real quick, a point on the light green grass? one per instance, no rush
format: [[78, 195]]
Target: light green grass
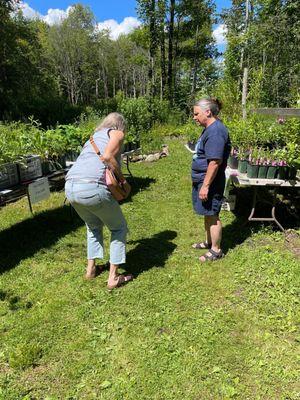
[[180, 330]]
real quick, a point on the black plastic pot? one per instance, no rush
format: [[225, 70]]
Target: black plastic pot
[[272, 172], [242, 166], [252, 170], [233, 162], [46, 167], [262, 171], [282, 172], [292, 173], [62, 161]]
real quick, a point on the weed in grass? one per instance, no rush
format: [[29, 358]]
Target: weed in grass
[[25, 355]]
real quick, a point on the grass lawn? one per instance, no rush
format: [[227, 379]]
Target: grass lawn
[[181, 330]]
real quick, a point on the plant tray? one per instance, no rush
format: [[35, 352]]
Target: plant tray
[[8, 175], [30, 168]]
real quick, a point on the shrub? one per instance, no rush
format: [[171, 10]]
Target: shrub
[[137, 115]]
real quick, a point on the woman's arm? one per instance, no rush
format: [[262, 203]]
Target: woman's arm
[[210, 175], [112, 149]]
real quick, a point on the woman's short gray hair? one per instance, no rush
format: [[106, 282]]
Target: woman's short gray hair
[[211, 104], [113, 120]]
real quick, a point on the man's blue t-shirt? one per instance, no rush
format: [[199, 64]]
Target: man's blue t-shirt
[[213, 144]]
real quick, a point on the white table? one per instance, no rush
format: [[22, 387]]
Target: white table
[[233, 176]]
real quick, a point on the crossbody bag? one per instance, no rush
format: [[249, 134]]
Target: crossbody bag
[[115, 186]]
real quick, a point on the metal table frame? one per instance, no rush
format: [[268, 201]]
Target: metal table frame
[[126, 157], [235, 177]]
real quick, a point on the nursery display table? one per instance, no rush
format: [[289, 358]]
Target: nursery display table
[[56, 182], [126, 157], [233, 176]]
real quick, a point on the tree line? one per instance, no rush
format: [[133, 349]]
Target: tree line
[[54, 72]]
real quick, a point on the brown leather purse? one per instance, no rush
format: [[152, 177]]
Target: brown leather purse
[[115, 186]]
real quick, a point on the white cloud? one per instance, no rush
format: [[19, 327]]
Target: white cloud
[[29, 12], [56, 16], [116, 29], [53, 16], [219, 34]]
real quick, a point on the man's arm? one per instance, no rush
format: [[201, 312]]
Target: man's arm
[[210, 175]]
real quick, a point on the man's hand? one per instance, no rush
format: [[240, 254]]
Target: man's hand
[[203, 192]]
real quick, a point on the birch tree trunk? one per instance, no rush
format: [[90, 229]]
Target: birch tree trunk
[[245, 70]]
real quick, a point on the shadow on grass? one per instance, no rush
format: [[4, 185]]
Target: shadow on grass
[[138, 184], [26, 238], [240, 229], [237, 232], [150, 252]]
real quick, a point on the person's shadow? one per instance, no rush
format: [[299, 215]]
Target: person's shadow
[[150, 252], [241, 229], [138, 184], [24, 239]]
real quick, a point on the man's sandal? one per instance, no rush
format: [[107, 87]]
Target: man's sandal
[[201, 246], [121, 280], [212, 255]]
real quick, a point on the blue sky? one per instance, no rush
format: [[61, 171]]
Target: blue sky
[[103, 9], [119, 16]]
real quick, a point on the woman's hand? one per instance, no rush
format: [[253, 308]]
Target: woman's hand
[[203, 192]]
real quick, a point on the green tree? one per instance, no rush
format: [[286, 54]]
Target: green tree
[[72, 48]]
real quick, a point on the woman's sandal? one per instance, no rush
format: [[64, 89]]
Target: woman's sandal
[[201, 246], [121, 280], [96, 271], [212, 255]]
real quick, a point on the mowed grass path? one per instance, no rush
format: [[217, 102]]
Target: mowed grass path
[[181, 330]]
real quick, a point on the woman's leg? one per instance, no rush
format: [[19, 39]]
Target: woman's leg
[[214, 226], [215, 230], [94, 227], [112, 217], [94, 245], [207, 230]]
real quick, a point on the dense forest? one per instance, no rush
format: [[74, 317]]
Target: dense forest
[[53, 73]]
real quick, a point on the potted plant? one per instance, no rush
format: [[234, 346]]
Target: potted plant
[[233, 159], [292, 159], [253, 164], [282, 168], [243, 160], [273, 166]]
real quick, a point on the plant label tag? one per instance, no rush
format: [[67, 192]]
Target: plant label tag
[[6, 191], [39, 190]]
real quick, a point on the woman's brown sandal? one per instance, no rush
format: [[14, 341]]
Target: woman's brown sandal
[[96, 271], [121, 280]]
